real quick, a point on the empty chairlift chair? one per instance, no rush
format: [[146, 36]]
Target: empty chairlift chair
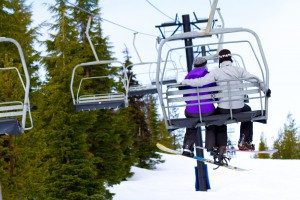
[[168, 73], [15, 115], [144, 87], [96, 101], [145, 74], [172, 97]]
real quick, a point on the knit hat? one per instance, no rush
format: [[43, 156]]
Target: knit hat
[[200, 62], [224, 55]]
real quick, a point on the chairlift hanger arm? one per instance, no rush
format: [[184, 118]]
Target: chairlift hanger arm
[[220, 46], [211, 16], [136, 51], [89, 38]]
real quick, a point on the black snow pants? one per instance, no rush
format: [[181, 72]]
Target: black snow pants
[[246, 128]]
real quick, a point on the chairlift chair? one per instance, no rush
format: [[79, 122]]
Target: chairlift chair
[[168, 74], [173, 97], [13, 111], [111, 100], [141, 89]]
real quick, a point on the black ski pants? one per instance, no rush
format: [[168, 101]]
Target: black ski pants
[[215, 136], [246, 128]]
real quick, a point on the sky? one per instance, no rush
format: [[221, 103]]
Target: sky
[[275, 21], [266, 179]]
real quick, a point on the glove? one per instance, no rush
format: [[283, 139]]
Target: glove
[[268, 93]]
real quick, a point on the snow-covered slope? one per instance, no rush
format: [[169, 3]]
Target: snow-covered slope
[[174, 180]]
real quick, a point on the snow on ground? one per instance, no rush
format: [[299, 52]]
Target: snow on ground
[[175, 180]]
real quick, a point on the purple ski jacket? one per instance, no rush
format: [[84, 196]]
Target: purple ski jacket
[[205, 108]]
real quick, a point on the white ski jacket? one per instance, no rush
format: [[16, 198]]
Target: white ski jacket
[[226, 72]]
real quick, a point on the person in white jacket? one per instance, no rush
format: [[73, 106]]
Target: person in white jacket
[[227, 71]]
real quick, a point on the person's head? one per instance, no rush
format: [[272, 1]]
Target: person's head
[[200, 62], [224, 55]]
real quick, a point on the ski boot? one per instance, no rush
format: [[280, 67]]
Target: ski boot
[[246, 146], [219, 156], [188, 153], [188, 150]]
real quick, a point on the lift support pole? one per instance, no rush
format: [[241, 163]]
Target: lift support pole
[[202, 181], [188, 42]]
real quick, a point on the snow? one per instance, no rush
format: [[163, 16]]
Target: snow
[[266, 179]]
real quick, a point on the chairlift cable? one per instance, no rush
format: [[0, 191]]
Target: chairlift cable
[[135, 31], [159, 10], [109, 21]]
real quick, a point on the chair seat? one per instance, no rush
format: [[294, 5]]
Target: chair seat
[[142, 92], [165, 82], [99, 105], [10, 126], [254, 116]]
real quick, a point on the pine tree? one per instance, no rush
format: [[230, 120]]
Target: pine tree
[[105, 132], [71, 167], [287, 142], [262, 147], [113, 142], [177, 135], [109, 139], [165, 137], [157, 128], [137, 120], [145, 127], [170, 139], [155, 135]]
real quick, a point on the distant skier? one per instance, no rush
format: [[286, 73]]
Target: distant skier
[[227, 71], [230, 148]]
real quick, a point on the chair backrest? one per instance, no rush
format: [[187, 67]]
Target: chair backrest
[[141, 72], [176, 97]]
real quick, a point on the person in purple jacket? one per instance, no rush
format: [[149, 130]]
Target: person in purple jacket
[[214, 134]]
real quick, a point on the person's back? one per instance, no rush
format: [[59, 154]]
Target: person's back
[[227, 71], [192, 107]]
